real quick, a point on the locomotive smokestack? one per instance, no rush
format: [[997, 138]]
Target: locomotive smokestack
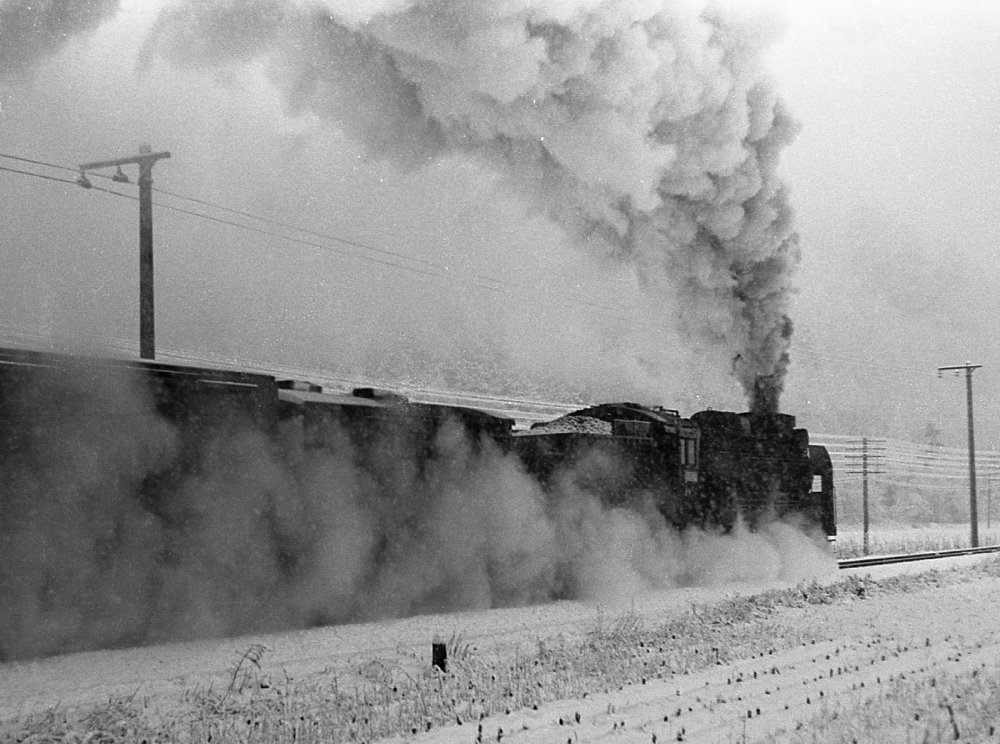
[[766, 391], [764, 387]]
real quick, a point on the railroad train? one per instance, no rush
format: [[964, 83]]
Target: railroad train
[[712, 470], [144, 502]]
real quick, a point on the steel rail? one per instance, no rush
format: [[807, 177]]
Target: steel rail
[[884, 560]]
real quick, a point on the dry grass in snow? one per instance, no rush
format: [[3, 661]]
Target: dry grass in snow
[[857, 659]]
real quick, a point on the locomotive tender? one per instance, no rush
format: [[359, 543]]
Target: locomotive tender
[[711, 470]]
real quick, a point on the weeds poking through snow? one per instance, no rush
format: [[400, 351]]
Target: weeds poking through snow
[[385, 699], [247, 670]]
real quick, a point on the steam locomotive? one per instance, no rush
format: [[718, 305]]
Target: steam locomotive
[[713, 470], [143, 502]]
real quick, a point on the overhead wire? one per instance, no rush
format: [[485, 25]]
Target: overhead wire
[[907, 464], [230, 210], [287, 225], [854, 362], [220, 220], [383, 258], [37, 175], [436, 270], [444, 272]]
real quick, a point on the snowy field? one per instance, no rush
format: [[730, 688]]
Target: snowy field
[[913, 657]]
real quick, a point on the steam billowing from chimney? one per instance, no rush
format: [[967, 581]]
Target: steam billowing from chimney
[[645, 129]]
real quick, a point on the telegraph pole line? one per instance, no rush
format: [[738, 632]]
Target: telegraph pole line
[[146, 159], [973, 516], [865, 452]]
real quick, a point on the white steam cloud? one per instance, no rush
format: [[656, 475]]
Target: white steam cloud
[[647, 130]]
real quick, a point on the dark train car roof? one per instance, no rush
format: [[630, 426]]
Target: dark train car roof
[[389, 402], [57, 360], [307, 397]]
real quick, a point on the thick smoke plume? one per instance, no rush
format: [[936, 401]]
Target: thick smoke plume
[[103, 544], [645, 129]]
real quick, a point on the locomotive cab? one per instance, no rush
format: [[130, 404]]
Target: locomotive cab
[[823, 495]]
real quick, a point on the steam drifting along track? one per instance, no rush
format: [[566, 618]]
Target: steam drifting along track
[[816, 659], [885, 560]]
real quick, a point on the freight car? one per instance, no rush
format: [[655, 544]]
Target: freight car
[[94, 426], [142, 501], [50, 403], [715, 469]]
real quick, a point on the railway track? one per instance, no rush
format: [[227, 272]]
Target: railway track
[[884, 560]]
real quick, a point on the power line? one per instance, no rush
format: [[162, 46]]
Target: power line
[[859, 363], [312, 244], [38, 162], [903, 449], [901, 484], [307, 231], [37, 175], [266, 220], [475, 281], [247, 215]]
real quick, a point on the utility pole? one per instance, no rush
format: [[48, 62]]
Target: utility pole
[[973, 516], [146, 159], [864, 453]]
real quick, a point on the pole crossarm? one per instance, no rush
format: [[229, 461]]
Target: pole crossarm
[[146, 159], [141, 159], [970, 368]]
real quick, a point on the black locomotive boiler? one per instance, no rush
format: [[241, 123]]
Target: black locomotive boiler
[[712, 470]]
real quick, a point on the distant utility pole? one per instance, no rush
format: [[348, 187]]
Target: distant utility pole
[[146, 159], [865, 452], [973, 516]]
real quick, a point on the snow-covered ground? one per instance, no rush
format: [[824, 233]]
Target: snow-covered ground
[[858, 646]]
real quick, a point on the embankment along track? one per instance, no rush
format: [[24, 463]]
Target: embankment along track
[[169, 669], [880, 638], [885, 560]]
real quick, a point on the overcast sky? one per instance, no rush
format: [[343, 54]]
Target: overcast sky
[[454, 279], [894, 183]]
